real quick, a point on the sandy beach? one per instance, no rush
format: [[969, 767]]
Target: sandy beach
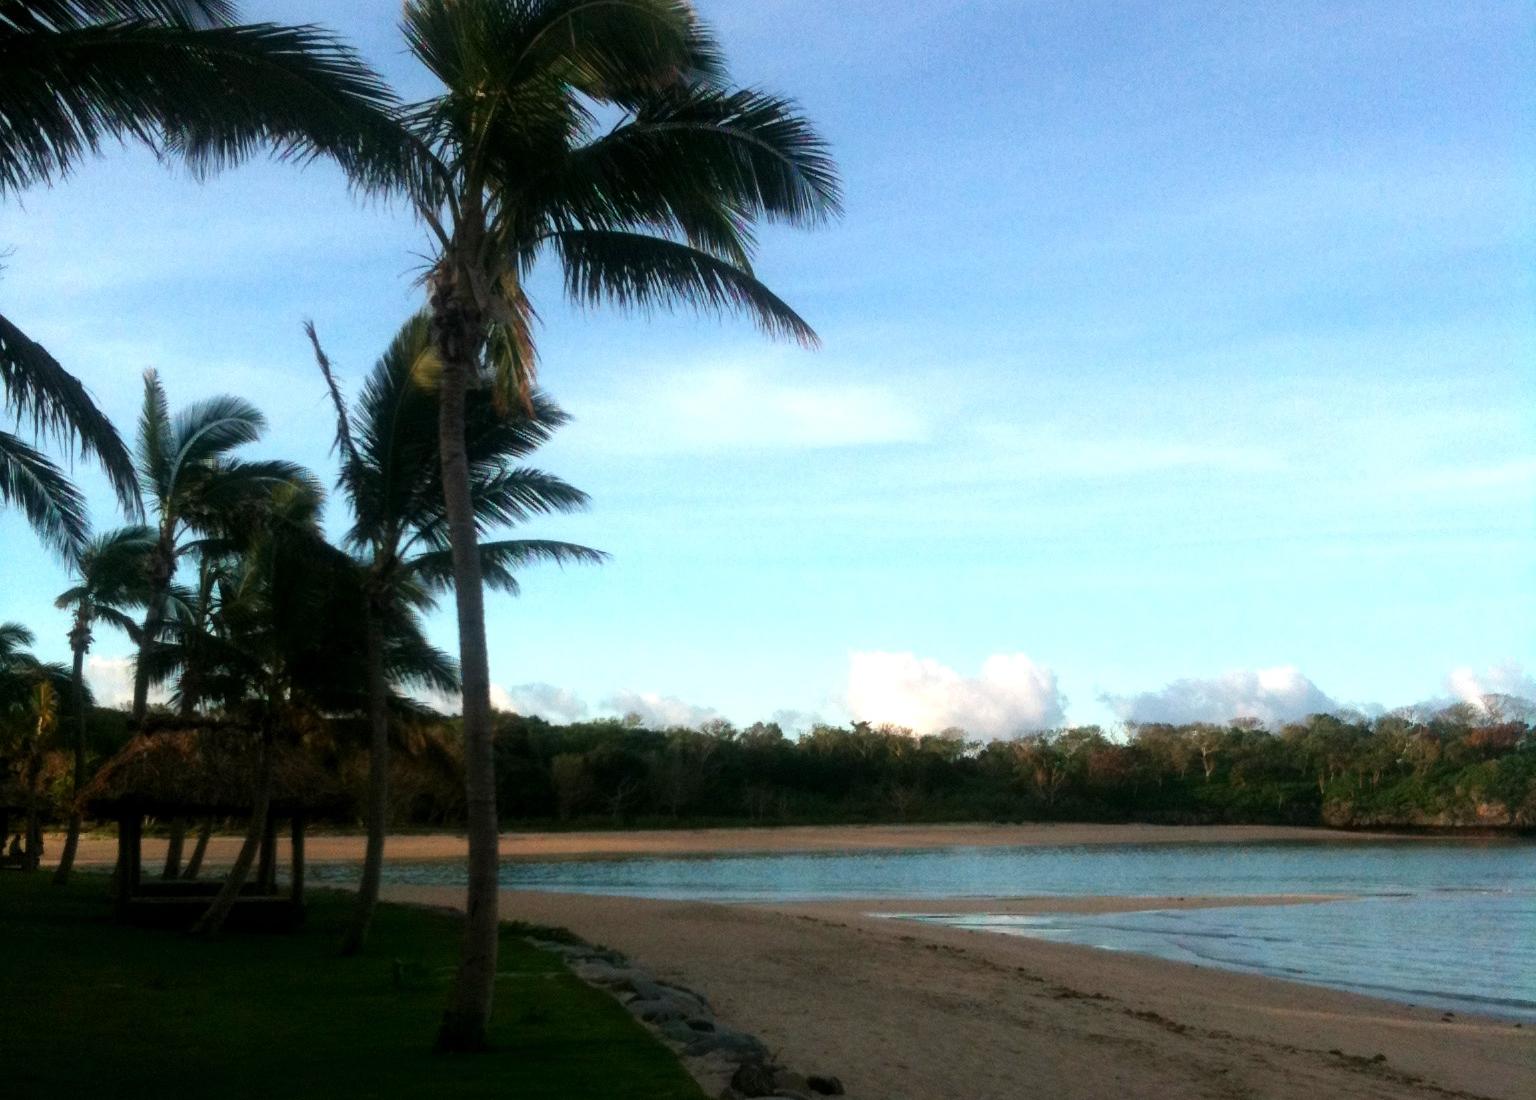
[[904, 1010], [346, 848], [907, 1011]]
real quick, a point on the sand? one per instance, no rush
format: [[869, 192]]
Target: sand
[[907, 1011], [904, 1010], [96, 850]]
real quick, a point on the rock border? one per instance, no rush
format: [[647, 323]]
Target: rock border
[[728, 1064]]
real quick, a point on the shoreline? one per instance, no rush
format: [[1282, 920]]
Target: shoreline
[[96, 849], [918, 1010], [912, 1010]]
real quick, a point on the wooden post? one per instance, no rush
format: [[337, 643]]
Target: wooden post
[[297, 841], [120, 876], [266, 869]]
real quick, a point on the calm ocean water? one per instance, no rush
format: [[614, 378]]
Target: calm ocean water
[[1448, 924]]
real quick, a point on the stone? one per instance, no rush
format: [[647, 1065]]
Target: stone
[[657, 1012], [733, 1044], [788, 1083], [753, 1079], [825, 1085], [604, 974]]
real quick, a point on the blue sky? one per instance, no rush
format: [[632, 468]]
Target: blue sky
[[1178, 363]]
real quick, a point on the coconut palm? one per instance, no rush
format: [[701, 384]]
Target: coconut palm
[[29, 695], [201, 498], [290, 618], [183, 78], [656, 210], [111, 576], [392, 479], [197, 492]]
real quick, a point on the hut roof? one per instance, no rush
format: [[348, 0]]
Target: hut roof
[[208, 769]]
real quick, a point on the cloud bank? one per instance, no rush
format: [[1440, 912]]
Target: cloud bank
[[1468, 685], [553, 704], [1012, 694], [660, 711], [1272, 695]]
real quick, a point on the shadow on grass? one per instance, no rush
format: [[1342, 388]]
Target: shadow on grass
[[95, 1009]]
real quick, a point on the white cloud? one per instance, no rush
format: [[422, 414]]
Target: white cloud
[[1470, 686], [1272, 695], [660, 711], [111, 681], [1012, 694], [553, 704], [745, 406]]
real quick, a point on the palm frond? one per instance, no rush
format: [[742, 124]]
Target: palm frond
[[500, 561], [703, 164], [53, 506], [205, 91], [208, 430], [639, 271], [64, 15], [37, 389], [155, 455]]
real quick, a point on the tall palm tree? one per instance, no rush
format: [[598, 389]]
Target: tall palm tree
[[197, 492], [111, 576], [202, 498], [392, 479], [182, 77], [656, 210]]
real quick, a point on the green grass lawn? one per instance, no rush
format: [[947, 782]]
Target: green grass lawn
[[91, 1009]]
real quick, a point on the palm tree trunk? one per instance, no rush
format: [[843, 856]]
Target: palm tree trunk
[[378, 787], [141, 671], [32, 854], [199, 850], [72, 838], [162, 567], [459, 334], [224, 902], [173, 849]]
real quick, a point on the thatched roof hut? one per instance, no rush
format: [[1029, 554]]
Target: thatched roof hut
[[208, 769]]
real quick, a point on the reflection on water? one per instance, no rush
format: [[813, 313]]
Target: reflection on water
[[1452, 924]]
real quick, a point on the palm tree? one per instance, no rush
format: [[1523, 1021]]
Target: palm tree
[[111, 575], [201, 498], [654, 211], [392, 480], [29, 694], [181, 77], [291, 650]]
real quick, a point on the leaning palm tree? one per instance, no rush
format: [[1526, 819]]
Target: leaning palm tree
[[654, 211], [182, 77], [111, 576], [392, 479]]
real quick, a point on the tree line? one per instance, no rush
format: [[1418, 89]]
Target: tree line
[[1461, 767]]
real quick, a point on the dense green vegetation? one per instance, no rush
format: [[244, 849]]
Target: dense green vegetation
[[97, 1009], [1458, 768]]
